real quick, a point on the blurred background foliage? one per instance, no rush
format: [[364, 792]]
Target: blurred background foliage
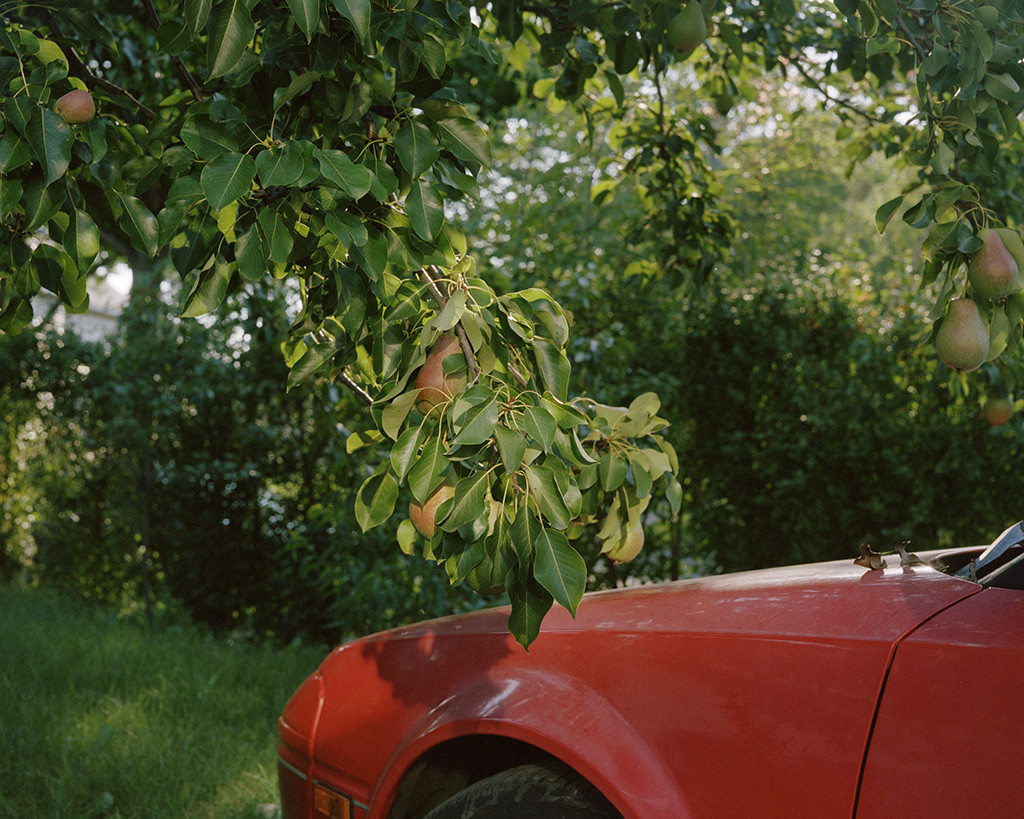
[[164, 470]]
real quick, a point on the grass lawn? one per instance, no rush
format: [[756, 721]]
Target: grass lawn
[[101, 717]]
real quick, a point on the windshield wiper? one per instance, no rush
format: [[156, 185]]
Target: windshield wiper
[[1013, 536]]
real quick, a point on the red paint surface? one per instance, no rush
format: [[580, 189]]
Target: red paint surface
[[747, 694]]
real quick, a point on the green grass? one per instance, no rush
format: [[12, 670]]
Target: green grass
[[103, 717]]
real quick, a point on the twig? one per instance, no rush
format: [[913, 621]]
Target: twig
[[348, 381], [429, 275], [186, 76], [835, 100]]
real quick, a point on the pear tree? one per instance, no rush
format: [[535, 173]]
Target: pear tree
[[320, 143]]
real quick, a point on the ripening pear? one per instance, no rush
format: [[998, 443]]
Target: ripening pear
[[998, 410], [435, 387], [687, 29], [962, 340], [424, 515], [993, 271], [624, 547], [76, 107]]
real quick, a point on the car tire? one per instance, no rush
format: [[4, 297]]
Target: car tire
[[528, 792]]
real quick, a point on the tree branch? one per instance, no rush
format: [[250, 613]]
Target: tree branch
[[179, 65], [348, 381]]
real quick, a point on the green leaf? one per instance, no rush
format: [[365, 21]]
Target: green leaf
[[314, 357], [11, 191], [208, 140], [227, 178], [280, 165], [209, 291], [466, 139], [231, 31], [553, 366], [451, 314], [468, 503], [529, 603], [540, 425], [559, 568], [50, 138], [41, 202], [425, 210], [197, 12], [612, 471], [336, 167], [522, 533], [512, 446], [306, 14], [416, 147], [251, 254], [429, 470], [140, 225], [375, 500], [404, 451], [548, 494], [674, 493], [357, 12], [396, 412], [406, 536], [279, 239], [885, 213], [477, 424], [82, 239]]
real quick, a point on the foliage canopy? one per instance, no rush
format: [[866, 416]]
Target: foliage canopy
[[319, 143]]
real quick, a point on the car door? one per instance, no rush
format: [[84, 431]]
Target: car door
[[949, 735]]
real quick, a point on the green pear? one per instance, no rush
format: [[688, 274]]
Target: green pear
[[623, 547], [962, 340], [687, 29], [993, 271]]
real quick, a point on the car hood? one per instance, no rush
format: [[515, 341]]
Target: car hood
[[663, 670], [831, 599]]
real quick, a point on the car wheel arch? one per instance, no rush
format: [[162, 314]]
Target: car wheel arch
[[474, 734]]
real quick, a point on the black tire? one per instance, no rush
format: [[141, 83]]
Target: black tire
[[528, 792]]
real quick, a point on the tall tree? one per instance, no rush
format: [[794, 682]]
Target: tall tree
[[317, 142]]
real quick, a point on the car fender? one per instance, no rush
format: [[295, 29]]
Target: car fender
[[558, 715]]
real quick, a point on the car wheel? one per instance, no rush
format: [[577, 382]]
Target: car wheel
[[533, 791]]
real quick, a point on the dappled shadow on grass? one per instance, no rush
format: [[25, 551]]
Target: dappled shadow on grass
[[102, 717]]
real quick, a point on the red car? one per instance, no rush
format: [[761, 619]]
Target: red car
[[833, 689]]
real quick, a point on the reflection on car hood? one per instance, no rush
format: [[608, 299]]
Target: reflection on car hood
[[833, 599]]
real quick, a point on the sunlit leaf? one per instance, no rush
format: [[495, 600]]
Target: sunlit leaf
[[375, 500], [559, 568]]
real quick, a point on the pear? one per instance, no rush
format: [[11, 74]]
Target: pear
[[962, 340], [998, 410], [624, 547], [993, 271], [687, 29], [424, 515], [436, 388], [76, 107]]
